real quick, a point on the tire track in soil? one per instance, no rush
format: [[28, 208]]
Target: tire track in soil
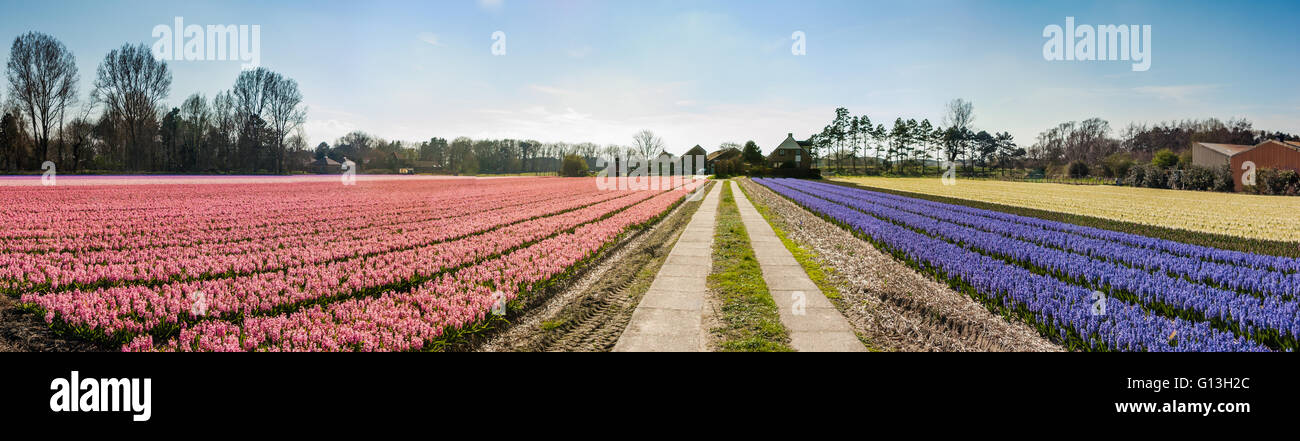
[[592, 313]]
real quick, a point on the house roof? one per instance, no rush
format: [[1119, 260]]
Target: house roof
[[1293, 145], [1226, 149], [326, 161], [720, 152], [789, 144]]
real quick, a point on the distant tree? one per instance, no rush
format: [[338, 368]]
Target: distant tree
[[130, 83], [322, 150], [460, 156], [169, 132], [1007, 151], [1078, 169], [924, 133], [986, 147], [647, 145], [284, 112], [752, 154], [43, 80], [434, 150], [574, 166], [11, 146], [1117, 165], [839, 132], [898, 135], [195, 123], [960, 114], [1165, 159]]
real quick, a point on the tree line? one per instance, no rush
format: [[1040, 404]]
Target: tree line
[[909, 147], [123, 125], [1088, 148]]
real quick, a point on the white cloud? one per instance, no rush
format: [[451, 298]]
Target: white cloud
[[429, 37], [491, 5]]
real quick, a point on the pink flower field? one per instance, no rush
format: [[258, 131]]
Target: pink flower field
[[300, 264]]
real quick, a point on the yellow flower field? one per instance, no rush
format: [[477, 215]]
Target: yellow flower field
[[1241, 215]]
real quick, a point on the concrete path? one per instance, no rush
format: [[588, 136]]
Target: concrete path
[[813, 322], [670, 315]]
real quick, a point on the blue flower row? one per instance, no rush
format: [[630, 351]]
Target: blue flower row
[[1245, 279], [1063, 311]]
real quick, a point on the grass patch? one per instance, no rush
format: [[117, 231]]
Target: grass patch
[[750, 322]]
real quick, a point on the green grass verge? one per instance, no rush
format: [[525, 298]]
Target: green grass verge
[[1221, 241], [807, 258], [750, 322]]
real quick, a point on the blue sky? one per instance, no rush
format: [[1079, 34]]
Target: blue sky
[[706, 72]]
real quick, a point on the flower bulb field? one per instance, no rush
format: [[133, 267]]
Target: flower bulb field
[[299, 264], [1086, 288]]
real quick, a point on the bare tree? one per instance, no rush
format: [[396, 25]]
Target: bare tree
[[196, 118], [225, 126], [646, 144], [43, 79], [285, 112], [960, 114], [131, 82]]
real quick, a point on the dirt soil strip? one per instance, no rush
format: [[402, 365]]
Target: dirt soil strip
[[888, 304], [22, 331], [590, 314]]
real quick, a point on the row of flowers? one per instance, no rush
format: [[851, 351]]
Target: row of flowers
[[1060, 310], [179, 220], [85, 270], [176, 215], [1227, 214], [1270, 320], [433, 312], [121, 312], [1244, 277]]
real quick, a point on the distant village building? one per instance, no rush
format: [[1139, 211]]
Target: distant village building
[[1206, 154], [790, 154], [1268, 154], [696, 153], [324, 166], [711, 161]]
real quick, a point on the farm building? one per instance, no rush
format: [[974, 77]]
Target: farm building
[[1206, 154], [790, 152], [1268, 154], [693, 153], [324, 166], [712, 159]]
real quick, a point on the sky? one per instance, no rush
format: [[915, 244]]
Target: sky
[[708, 72]]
